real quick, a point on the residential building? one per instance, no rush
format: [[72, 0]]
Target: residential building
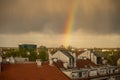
[[63, 65], [63, 56], [91, 55], [31, 71], [94, 73]]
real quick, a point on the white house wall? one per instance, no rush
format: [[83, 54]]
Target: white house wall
[[102, 71], [85, 54], [60, 56], [93, 58], [93, 73], [89, 55]]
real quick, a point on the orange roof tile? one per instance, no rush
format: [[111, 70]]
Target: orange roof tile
[[31, 72], [83, 63], [58, 64]]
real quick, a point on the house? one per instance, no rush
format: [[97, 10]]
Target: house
[[91, 55], [93, 73], [80, 74], [63, 56]]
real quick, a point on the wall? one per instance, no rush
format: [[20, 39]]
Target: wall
[[93, 58], [102, 71], [93, 73], [85, 54], [68, 73], [60, 56], [84, 74]]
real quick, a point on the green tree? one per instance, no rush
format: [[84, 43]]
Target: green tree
[[43, 56], [32, 56], [111, 56], [43, 53]]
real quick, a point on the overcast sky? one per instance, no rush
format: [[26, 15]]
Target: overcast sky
[[97, 22]]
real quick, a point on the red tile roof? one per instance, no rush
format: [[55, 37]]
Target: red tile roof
[[83, 63], [59, 64], [31, 72]]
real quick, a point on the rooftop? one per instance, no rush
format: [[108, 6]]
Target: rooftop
[[31, 72], [79, 53], [85, 63]]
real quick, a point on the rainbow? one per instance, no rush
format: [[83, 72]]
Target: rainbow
[[70, 23]]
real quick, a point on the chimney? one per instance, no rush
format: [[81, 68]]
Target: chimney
[[74, 55], [50, 62], [50, 56], [39, 63]]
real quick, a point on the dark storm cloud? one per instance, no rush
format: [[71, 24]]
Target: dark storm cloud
[[32, 16], [100, 17], [93, 16]]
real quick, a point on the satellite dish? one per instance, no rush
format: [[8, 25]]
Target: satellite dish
[[0, 59]]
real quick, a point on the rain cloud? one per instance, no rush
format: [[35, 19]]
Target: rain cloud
[[44, 16]]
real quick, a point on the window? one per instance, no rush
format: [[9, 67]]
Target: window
[[74, 74]]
